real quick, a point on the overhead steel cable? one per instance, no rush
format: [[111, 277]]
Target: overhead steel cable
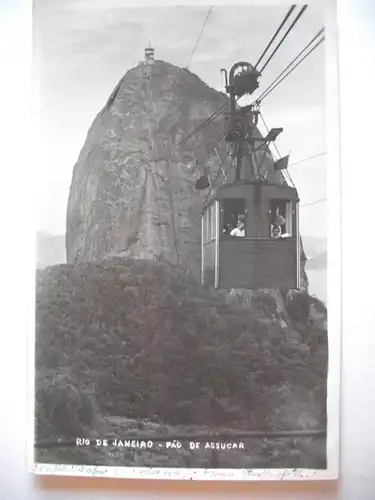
[[284, 37], [285, 174], [313, 203], [268, 131], [215, 145], [264, 95], [288, 14], [217, 177], [203, 124], [307, 159], [199, 36], [208, 153], [291, 63]]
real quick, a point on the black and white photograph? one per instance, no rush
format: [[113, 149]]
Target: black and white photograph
[[181, 322]]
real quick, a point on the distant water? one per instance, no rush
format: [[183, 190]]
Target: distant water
[[318, 283]]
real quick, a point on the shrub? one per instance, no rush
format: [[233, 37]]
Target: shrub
[[154, 342], [297, 306], [63, 408]]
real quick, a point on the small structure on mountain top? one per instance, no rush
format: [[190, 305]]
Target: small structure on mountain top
[[149, 55]]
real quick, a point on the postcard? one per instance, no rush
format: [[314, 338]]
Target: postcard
[[187, 241]]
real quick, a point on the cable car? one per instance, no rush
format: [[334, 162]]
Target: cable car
[[250, 228], [267, 253]]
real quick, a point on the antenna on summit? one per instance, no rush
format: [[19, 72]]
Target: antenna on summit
[[149, 54]]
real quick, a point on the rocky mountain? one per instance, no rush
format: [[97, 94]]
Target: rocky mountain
[[133, 188], [50, 250]]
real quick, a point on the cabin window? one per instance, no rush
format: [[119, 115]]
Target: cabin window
[[281, 219], [209, 224], [233, 211]]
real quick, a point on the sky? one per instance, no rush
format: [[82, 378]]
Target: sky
[[83, 47]]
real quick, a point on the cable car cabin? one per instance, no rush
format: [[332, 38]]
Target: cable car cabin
[[250, 237]]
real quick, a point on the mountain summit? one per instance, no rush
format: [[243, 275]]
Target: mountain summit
[[133, 188]]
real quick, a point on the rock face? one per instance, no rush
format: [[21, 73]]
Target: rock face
[[133, 188]]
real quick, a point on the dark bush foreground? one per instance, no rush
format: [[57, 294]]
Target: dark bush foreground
[[139, 339], [63, 404]]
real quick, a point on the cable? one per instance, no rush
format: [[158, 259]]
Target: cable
[[307, 159], [290, 64], [313, 203], [219, 139], [285, 174], [220, 110], [200, 34], [283, 38], [203, 124], [275, 35], [216, 178], [296, 66], [290, 178], [268, 131]]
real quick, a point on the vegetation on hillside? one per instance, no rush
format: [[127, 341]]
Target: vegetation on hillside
[[140, 340]]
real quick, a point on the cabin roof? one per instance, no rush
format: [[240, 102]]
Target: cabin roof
[[256, 183], [220, 194]]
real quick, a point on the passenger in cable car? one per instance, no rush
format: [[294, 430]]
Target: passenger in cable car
[[279, 220], [239, 230], [227, 229], [276, 231], [278, 226]]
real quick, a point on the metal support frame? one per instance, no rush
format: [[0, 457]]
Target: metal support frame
[[221, 164], [241, 122]]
